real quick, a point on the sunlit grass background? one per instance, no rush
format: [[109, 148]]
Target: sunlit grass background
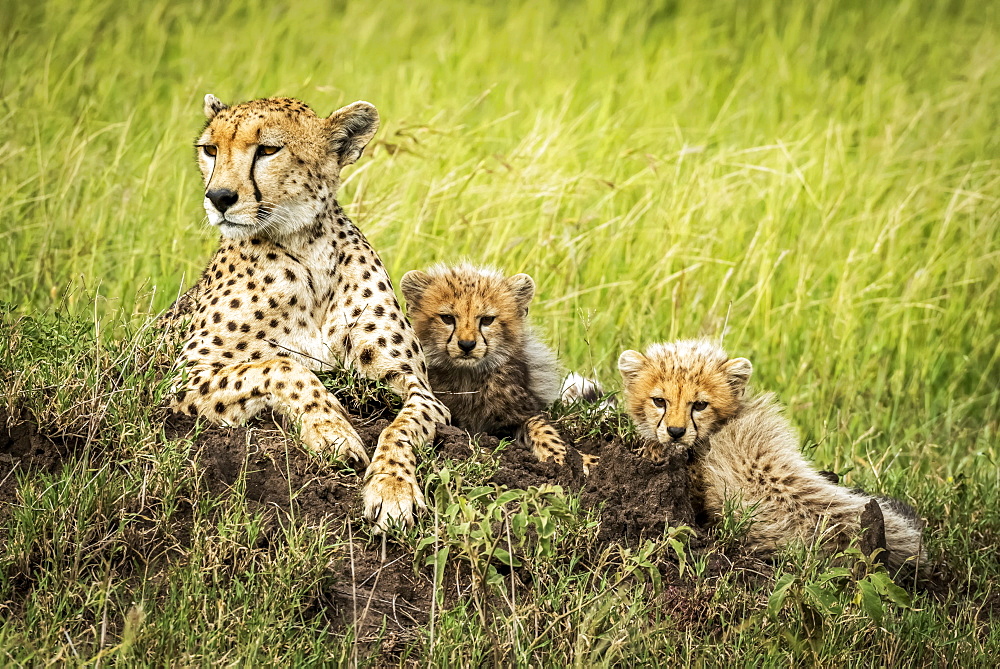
[[816, 182]]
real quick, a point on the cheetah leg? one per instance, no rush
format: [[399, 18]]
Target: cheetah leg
[[391, 493], [233, 394], [543, 439], [374, 337]]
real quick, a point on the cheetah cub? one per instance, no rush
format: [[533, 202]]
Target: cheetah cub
[[689, 396], [483, 359], [295, 288]]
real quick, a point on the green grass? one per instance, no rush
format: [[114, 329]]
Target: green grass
[[818, 182]]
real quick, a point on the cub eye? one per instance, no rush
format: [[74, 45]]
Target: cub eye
[[699, 406], [267, 150], [447, 319], [210, 150], [487, 320], [659, 402]]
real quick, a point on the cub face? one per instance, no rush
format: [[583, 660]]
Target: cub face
[[467, 317], [678, 394], [270, 165]]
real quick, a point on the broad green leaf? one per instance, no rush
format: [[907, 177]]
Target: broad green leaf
[[506, 558], [509, 496], [777, 599], [871, 602], [887, 588], [823, 599]]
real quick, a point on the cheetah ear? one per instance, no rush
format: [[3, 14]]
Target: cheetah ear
[[738, 372], [413, 284], [351, 128], [630, 363], [213, 106], [523, 287]]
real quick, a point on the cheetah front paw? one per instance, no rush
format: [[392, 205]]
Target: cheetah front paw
[[391, 499], [336, 438]]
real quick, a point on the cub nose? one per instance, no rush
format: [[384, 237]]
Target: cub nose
[[222, 198], [676, 432], [467, 344]]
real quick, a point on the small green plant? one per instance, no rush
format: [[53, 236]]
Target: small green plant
[[486, 526], [678, 538], [359, 394], [492, 530]]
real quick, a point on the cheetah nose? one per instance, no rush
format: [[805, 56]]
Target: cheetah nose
[[676, 432], [222, 198], [467, 344]]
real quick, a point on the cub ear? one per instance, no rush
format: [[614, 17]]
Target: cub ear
[[351, 128], [413, 284], [630, 363], [738, 372], [213, 106], [523, 287]]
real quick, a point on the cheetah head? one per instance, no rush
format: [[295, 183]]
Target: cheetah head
[[270, 166], [679, 394], [466, 316]]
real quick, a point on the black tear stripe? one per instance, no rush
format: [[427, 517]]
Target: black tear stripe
[[694, 423], [209, 182], [253, 180]]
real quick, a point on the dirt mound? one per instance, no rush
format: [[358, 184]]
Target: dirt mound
[[375, 582], [637, 497]]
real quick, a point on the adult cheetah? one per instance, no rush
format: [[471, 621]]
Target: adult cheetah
[[296, 288]]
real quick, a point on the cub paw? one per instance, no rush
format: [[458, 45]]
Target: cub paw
[[391, 499], [550, 452], [589, 462], [443, 413], [334, 437]]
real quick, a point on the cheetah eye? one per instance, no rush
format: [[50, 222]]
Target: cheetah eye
[[210, 150], [267, 150], [487, 320], [447, 319], [699, 406], [659, 402]]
